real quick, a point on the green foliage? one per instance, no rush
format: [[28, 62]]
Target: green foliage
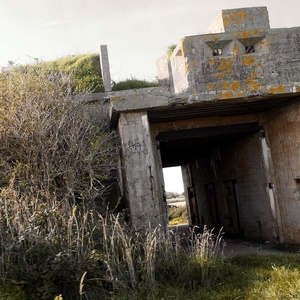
[[85, 69], [130, 84], [170, 50], [178, 215], [51, 143], [12, 291]]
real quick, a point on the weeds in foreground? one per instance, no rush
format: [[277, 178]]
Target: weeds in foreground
[[78, 253], [101, 257]]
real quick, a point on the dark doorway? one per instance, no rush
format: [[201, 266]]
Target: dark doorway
[[193, 206], [233, 225], [212, 204]]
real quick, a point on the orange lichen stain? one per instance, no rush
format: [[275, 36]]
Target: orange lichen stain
[[115, 98], [277, 89], [245, 34], [260, 64], [298, 89], [235, 17], [211, 37], [227, 95], [195, 91], [187, 67], [183, 47], [226, 85], [253, 84], [211, 61], [226, 64], [235, 86], [249, 60], [211, 86]]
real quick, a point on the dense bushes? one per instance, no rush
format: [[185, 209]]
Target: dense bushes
[[84, 69], [56, 157], [132, 84]]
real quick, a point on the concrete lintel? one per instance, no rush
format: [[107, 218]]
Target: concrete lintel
[[158, 98]]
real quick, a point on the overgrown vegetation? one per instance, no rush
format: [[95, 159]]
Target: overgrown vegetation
[[59, 239], [178, 215], [170, 50], [56, 158], [84, 70], [133, 84]]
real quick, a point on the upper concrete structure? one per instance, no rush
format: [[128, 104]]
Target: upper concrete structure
[[231, 20], [244, 59], [229, 115]]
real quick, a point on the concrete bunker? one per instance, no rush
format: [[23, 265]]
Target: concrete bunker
[[229, 120]]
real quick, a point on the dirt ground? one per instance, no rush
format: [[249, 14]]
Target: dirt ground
[[238, 246]]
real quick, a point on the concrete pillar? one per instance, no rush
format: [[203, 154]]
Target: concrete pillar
[[104, 62], [141, 184]]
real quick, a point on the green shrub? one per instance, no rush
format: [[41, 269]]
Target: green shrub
[[12, 291], [131, 84], [178, 215]]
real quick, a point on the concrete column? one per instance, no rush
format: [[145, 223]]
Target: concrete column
[[141, 183], [104, 63]]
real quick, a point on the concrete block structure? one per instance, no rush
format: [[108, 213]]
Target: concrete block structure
[[229, 115]]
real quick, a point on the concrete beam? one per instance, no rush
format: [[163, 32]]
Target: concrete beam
[[142, 185], [104, 61]]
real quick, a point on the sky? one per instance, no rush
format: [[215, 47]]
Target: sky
[[136, 32]]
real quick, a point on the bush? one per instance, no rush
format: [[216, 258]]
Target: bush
[[178, 215], [130, 84], [56, 157]]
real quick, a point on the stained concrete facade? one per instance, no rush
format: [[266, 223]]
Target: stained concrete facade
[[229, 115]]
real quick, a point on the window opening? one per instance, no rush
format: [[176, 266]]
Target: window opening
[[176, 202], [217, 52], [249, 49]]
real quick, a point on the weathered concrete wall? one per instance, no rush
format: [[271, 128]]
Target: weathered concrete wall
[[141, 185], [240, 163], [249, 183], [231, 20], [244, 59], [284, 139], [272, 69]]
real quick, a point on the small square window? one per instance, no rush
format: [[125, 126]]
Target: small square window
[[249, 49], [217, 52]]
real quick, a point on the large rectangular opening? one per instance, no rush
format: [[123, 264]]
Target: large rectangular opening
[[225, 180]]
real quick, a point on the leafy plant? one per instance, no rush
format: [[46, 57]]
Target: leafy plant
[[132, 83]]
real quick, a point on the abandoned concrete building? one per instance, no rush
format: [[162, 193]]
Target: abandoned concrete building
[[228, 112]]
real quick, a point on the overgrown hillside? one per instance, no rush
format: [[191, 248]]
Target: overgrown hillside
[[84, 68]]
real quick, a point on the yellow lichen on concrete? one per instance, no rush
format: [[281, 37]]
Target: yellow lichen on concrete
[[187, 68], [255, 85], [225, 67], [236, 85], [226, 85], [236, 17], [249, 60], [277, 89], [211, 37], [211, 86], [211, 61], [115, 98]]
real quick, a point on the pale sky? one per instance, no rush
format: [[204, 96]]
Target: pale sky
[[173, 179], [137, 32]]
